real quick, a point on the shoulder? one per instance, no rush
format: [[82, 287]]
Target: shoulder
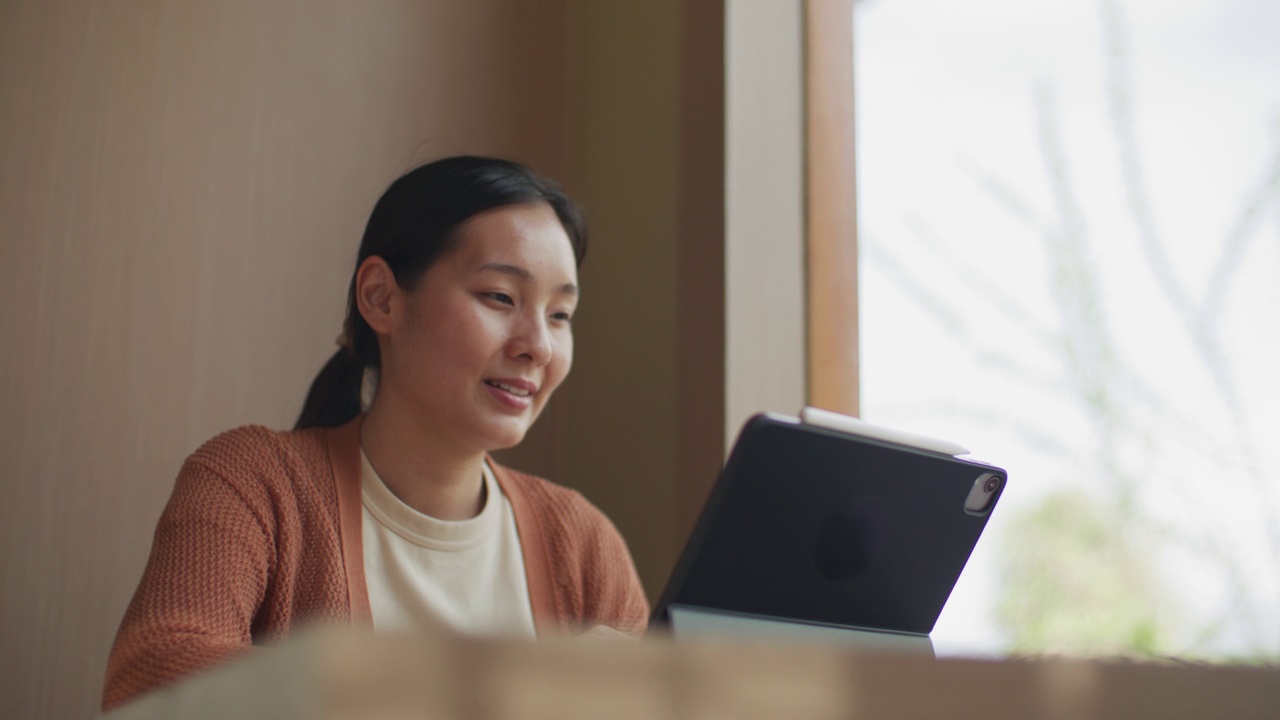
[[277, 477], [254, 447], [263, 465]]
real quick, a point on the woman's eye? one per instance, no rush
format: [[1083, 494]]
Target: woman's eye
[[503, 298], [561, 316]]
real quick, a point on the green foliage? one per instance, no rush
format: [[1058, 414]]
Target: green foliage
[[1075, 581]]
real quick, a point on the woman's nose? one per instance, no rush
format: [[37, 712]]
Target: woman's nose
[[532, 339]]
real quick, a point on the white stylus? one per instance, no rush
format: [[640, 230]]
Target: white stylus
[[854, 426]]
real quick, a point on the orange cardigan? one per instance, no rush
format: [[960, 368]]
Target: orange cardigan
[[262, 533]]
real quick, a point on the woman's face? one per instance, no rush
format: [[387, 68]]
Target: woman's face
[[485, 337]]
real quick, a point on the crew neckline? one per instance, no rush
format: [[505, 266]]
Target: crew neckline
[[422, 529]]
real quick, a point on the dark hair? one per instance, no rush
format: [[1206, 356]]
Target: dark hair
[[413, 225]]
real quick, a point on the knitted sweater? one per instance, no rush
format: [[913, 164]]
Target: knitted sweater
[[262, 533]]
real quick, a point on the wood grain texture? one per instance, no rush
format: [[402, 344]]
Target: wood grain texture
[[700, 268], [831, 212], [183, 192], [622, 409]]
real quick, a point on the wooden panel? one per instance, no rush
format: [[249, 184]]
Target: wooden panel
[[764, 210], [832, 264], [700, 264], [621, 420], [437, 675], [183, 190]]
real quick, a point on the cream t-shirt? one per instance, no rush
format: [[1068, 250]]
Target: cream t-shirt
[[467, 573]]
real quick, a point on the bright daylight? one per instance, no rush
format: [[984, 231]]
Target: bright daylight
[[1070, 241]]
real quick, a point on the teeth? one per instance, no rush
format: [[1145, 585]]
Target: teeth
[[512, 390]]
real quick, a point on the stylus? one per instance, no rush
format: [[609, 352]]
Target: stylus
[[854, 426]]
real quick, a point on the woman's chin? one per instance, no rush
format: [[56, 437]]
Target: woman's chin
[[504, 445], [508, 431], [506, 437]]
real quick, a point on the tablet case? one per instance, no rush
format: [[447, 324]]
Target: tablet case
[[817, 525]]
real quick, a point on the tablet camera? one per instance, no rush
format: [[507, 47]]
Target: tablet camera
[[982, 494]]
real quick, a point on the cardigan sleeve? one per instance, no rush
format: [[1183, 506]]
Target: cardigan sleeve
[[613, 593], [606, 589], [588, 567], [206, 576]]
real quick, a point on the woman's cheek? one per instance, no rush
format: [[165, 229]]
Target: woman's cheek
[[564, 358]]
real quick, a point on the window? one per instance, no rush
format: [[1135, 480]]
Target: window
[[1069, 229]]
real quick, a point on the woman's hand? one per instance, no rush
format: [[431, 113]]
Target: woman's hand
[[604, 632]]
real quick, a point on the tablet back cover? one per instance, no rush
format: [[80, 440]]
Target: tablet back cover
[[814, 525]]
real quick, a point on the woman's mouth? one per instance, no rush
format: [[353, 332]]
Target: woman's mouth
[[522, 392], [513, 394]]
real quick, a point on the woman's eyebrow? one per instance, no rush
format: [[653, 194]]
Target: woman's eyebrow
[[525, 275]]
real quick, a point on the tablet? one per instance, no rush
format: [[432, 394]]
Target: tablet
[[826, 521]]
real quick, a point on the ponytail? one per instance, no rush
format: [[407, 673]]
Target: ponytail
[[334, 397]]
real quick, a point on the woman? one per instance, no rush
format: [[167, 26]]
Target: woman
[[460, 305]]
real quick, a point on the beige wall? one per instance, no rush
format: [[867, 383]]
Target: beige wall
[[686, 145], [620, 428], [183, 189], [181, 198]]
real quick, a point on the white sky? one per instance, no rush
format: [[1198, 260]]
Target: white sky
[[946, 97]]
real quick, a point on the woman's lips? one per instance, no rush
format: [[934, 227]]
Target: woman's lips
[[513, 393]]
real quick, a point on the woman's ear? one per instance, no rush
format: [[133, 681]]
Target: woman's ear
[[378, 297]]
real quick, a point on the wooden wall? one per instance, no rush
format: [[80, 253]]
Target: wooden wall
[[183, 190]]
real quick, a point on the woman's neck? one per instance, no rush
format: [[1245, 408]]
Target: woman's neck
[[420, 467]]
